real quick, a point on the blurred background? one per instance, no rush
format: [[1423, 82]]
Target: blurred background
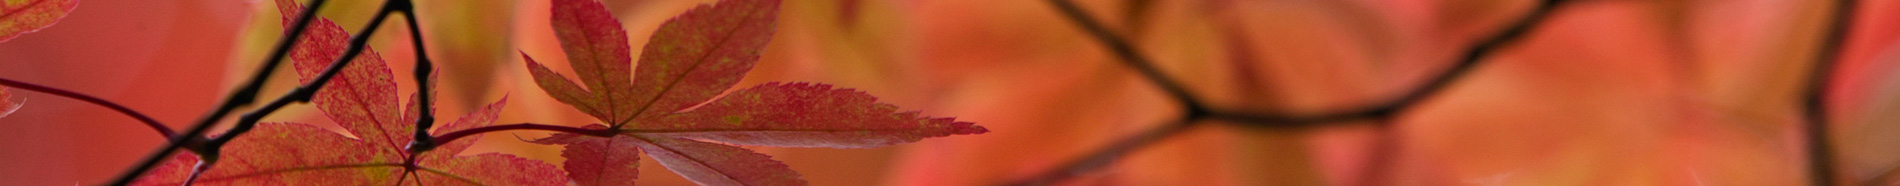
[[1605, 92]]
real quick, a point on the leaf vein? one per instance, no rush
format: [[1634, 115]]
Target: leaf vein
[[701, 163], [690, 68]]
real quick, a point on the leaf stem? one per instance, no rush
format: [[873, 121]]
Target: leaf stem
[[244, 96], [149, 122], [451, 136], [1820, 152]]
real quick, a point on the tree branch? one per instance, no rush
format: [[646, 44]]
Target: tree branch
[[1130, 56], [209, 149], [1820, 153], [1466, 63], [149, 122], [303, 94], [424, 69], [244, 96], [1195, 111]]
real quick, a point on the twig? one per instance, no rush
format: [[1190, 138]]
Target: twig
[[1820, 153], [1130, 57], [424, 69], [149, 122], [303, 94], [1469, 61], [1107, 155], [1195, 111], [208, 151], [244, 96]]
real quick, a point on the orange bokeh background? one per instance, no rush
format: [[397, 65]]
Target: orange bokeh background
[[1606, 92]]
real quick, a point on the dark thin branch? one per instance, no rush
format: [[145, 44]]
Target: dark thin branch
[[1466, 63], [424, 69], [244, 96], [1195, 111], [149, 122], [248, 121], [451, 136], [1135, 16], [1107, 155], [303, 94], [1477, 53], [1130, 56], [208, 151], [1820, 153]]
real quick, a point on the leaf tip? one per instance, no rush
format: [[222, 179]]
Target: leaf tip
[[967, 128]]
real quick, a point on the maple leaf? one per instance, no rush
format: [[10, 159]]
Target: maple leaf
[[7, 106], [20, 17], [362, 100], [690, 60]]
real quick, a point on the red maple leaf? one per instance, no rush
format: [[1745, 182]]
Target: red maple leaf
[[22, 17], [361, 98], [689, 61]]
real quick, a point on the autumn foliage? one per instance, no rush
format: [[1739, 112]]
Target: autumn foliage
[[862, 92], [663, 110]]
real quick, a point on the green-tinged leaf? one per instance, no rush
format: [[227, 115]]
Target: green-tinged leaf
[[24, 16]]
